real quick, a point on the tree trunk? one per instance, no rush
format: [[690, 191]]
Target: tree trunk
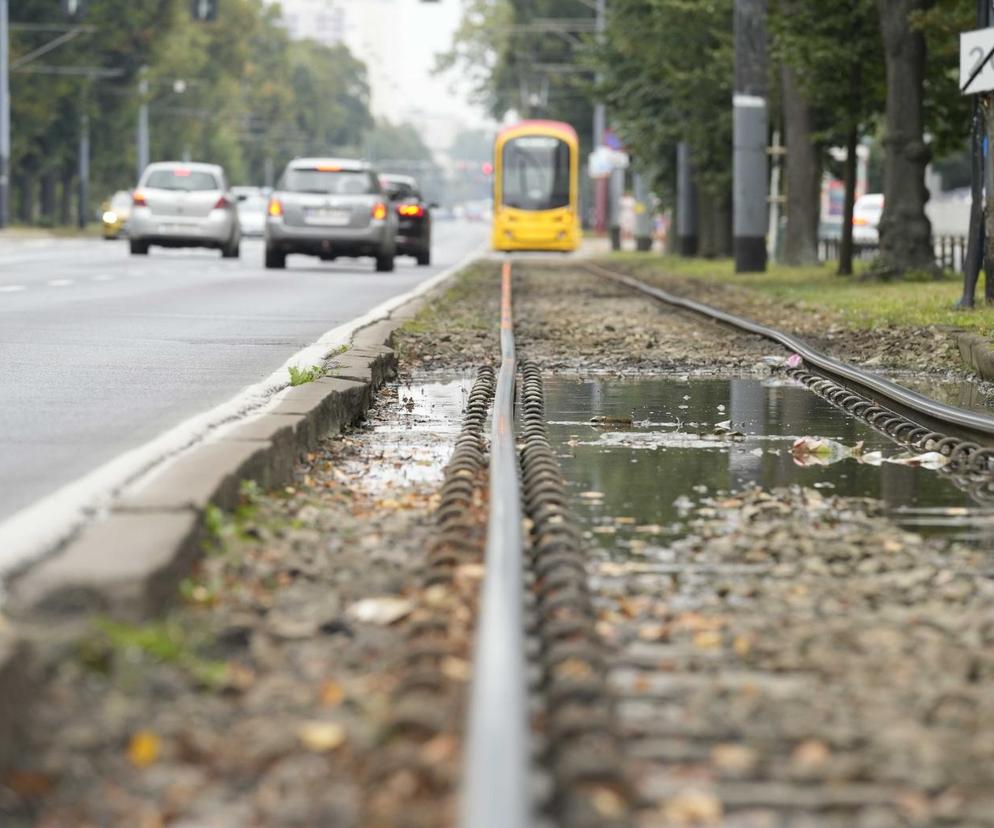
[[803, 175], [721, 217], [29, 185], [65, 199], [48, 182], [846, 249], [705, 206], [905, 231]]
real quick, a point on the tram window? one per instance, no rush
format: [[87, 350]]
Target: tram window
[[536, 173]]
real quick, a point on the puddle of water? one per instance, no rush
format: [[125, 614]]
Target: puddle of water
[[415, 431], [640, 481], [961, 393]]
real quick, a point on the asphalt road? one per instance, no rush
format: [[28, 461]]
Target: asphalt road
[[101, 351]]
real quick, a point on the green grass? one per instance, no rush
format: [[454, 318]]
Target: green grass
[[860, 302], [302, 376]]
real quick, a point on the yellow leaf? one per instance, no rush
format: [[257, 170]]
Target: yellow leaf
[[143, 749], [332, 693]]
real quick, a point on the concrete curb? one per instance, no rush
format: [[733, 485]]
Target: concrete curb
[[129, 564], [978, 354]]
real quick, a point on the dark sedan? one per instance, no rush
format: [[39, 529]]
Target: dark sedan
[[413, 215]]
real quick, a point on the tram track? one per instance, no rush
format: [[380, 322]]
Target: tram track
[[600, 712]]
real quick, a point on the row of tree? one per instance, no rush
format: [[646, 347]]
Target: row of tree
[[838, 71], [235, 91]]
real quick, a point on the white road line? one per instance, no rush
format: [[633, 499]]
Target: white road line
[[60, 282], [41, 527], [102, 277], [11, 288]]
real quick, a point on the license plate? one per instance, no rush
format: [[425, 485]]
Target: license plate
[[335, 218]]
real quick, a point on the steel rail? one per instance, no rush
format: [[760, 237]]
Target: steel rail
[[885, 388], [496, 775]]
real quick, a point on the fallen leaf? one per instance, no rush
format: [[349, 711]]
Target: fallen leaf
[[143, 749], [28, 784], [332, 693], [693, 807], [321, 737]]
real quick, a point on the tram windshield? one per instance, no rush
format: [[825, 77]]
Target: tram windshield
[[536, 173]]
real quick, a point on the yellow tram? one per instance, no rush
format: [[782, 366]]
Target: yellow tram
[[537, 187]]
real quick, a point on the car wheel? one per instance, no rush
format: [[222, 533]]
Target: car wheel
[[275, 259], [424, 257], [231, 250], [139, 248], [384, 263]]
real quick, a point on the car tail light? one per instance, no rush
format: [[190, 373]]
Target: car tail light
[[138, 199], [275, 208], [222, 203], [411, 210], [379, 211]]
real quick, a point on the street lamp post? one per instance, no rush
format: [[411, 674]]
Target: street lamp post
[[142, 121]]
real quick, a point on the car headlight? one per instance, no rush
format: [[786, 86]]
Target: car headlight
[[110, 217]]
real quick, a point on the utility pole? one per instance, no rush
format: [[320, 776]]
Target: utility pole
[[83, 213], [142, 122], [643, 215], [750, 161], [599, 111], [4, 113]]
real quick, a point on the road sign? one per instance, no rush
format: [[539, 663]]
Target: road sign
[[976, 61]]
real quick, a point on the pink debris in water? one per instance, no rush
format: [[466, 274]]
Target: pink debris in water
[[794, 360]]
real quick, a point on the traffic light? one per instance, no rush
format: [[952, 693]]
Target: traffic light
[[204, 10], [73, 8]]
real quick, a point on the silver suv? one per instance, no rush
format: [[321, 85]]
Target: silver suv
[[330, 207], [184, 205]]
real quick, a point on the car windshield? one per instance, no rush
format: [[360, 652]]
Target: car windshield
[[181, 179], [536, 173], [330, 182]]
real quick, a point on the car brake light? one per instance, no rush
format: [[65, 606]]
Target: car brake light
[[181, 172], [138, 199], [411, 210], [275, 207], [222, 203], [379, 211]]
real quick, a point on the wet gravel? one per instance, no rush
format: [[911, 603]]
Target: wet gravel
[[268, 698]]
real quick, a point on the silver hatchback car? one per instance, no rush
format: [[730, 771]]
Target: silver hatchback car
[[184, 205], [330, 207]]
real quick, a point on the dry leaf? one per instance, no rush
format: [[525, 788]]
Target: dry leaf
[[693, 807], [332, 693], [143, 749]]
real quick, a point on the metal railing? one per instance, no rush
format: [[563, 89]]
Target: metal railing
[[496, 776], [950, 251]]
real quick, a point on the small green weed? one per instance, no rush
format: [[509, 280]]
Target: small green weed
[[302, 376]]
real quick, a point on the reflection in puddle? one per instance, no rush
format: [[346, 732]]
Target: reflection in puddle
[[415, 430], [694, 438]]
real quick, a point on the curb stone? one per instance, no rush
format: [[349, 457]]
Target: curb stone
[[129, 564], [978, 354]]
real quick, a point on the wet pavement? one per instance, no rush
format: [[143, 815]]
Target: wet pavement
[[662, 444]]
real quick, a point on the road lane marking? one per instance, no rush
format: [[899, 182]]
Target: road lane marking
[[11, 288], [38, 529], [103, 277], [60, 282]]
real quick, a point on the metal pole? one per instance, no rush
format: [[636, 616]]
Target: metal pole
[[750, 162], [643, 215], [600, 114], [84, 171], [142, 122], [616, 191], [686, 203], [4, 113]]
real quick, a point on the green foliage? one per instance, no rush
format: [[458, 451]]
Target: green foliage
[[666, 68], [302, 376], [508, 66], [235, 92]]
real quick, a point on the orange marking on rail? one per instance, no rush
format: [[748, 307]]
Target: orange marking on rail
[[505, 296]]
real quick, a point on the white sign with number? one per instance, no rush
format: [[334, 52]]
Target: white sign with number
[[976, 61]]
